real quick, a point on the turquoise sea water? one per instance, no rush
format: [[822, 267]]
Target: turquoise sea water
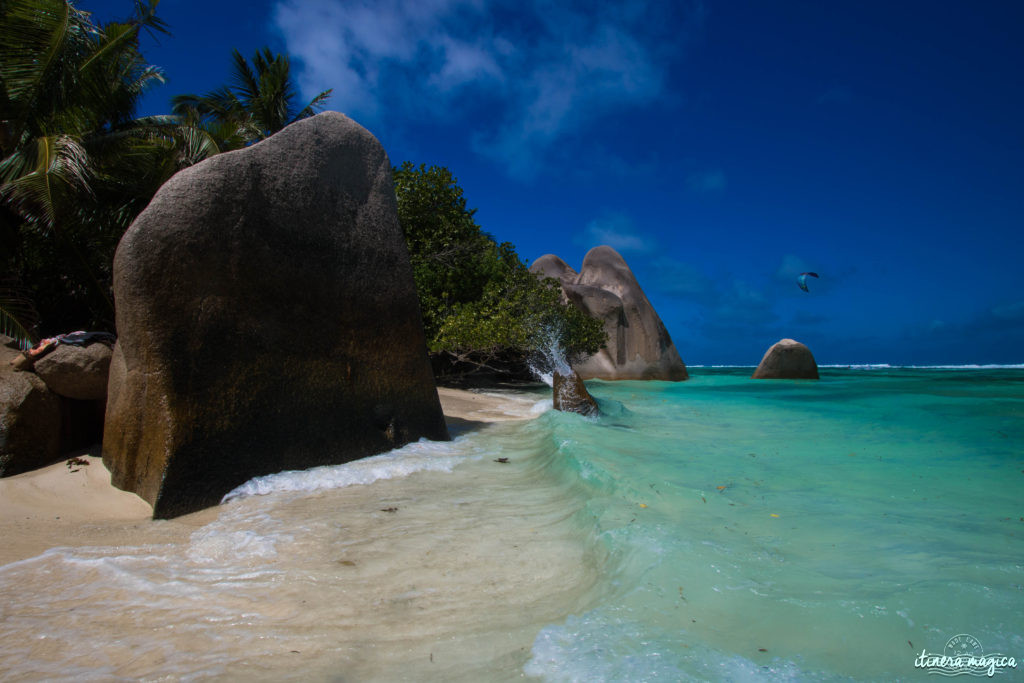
[[716, 529], [796, 530]]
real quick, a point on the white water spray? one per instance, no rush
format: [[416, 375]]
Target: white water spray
[[549, 356]]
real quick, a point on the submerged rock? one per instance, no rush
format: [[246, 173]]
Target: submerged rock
[[569, 394], [638, 346], [267, 321], [787, 359]]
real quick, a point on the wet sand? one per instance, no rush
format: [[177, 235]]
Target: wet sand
[[75, 505], [444, 574]]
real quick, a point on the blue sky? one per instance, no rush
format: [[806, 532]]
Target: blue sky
[[721, 146]]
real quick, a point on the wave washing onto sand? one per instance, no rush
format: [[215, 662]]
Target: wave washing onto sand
[[601, 645], [419, 456], [433, 562]]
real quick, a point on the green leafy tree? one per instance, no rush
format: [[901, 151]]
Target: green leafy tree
[[481, 306], [451, 257], [76, 165], [259, 101], [518, 315]]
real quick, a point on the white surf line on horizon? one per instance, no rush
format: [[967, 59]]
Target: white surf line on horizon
[[888, 366]]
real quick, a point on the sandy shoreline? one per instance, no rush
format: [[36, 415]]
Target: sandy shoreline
[[75, 505]]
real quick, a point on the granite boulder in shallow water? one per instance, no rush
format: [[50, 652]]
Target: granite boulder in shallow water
[[570, 395], [267, 320], [787, 359]]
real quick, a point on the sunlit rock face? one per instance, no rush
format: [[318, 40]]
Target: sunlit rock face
[[639, 346], [787, 359]]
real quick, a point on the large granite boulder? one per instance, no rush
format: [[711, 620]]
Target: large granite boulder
[[569, 394], [550, 265], [267, 320], [30, 419], [78, 372], [787, 359], [639, 346]]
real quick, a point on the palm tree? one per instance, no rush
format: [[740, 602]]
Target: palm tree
[[68, 92], [18, 317], [76, 166], [259, 101]]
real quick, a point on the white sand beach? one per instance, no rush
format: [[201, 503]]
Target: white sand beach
[[75, 505], [439, 561]]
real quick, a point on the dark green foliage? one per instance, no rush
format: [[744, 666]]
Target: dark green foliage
[[76, 166], [478, 299], [452, 260]]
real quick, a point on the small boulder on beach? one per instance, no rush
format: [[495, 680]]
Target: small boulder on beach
[[78, 372], [787, 359], [30, 419]]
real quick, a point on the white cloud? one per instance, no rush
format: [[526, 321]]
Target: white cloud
[[617, 231], [706, 181], [790, 267], [684, 280], [744, 303], [1014, 311], [542, 70], [466, 63]]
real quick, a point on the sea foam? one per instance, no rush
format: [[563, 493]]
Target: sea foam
[[420, 456]]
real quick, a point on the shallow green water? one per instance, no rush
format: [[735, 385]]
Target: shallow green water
[[783, 529]]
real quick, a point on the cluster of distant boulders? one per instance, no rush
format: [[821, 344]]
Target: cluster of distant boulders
[[639, 346], [268, 320]]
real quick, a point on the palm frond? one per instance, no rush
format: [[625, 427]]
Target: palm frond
[[145, 17], [115, 37], [196, 145], [18, 316], [315, 105], [245, 81], [33, 36], [60, 168]]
